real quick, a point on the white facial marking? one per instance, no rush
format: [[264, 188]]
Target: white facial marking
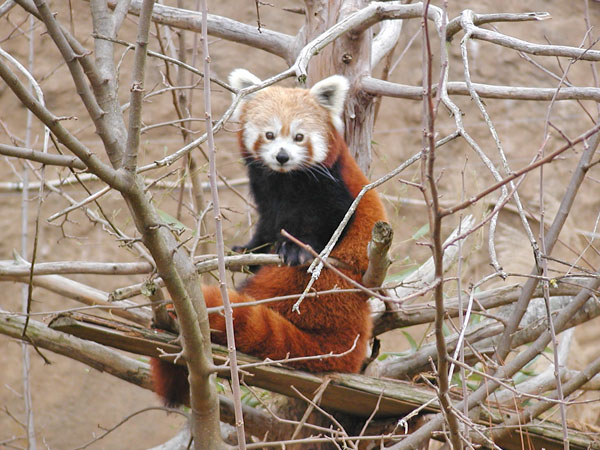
[[286, 152], [250, 136], [282, 154], [240, 79], [319, 147]]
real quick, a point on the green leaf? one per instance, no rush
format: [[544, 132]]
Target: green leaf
[[413, 344], [421, 232], [445, 329], [172, 221], [397, 277]]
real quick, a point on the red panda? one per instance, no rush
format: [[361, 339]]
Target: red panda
[[303, 180]]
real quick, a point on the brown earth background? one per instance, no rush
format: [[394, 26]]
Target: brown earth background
[[73, 402]]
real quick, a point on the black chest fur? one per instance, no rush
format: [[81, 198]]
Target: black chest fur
[[308, 204]]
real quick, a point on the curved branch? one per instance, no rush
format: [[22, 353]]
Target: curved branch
[[526, 47], [454, 25], [278, 44], [385, 41], [358, 22], [97, 166]]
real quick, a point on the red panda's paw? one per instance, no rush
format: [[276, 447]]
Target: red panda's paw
[[293, 255], [239, 249]]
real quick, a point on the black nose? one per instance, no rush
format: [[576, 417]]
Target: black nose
[[282, 157]]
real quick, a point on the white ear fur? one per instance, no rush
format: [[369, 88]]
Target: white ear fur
[[240, 79], [331, 94]]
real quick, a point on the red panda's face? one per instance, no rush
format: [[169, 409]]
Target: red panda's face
[[286, 129], [289, 129]]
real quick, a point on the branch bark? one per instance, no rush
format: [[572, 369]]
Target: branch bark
[[549, 241], [41, 157], [375, 86], [279, 44]]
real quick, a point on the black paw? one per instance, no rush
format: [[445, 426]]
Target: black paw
[[293, 255], [239, 249]]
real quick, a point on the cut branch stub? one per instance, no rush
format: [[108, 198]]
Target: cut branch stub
[[378, 248]]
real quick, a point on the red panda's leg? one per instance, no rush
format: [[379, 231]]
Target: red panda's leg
[[265, 333]]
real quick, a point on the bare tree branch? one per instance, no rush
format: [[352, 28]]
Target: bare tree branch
[[100, 169], [377, 250], [374, 86], [44, 158], [95, 355], [550, 240], [129, 161], [527, 47], [279, 44]]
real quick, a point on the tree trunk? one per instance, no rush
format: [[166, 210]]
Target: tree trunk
[[350, 55]]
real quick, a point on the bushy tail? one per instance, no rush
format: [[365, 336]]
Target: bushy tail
[[170, 382]]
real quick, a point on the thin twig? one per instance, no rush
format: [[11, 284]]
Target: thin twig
[[431, 195], [235, 381]]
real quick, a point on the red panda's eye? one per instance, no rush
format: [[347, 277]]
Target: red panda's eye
[[269, 135], [299, 137]]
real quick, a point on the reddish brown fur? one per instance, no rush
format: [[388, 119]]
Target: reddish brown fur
[[327, 323]]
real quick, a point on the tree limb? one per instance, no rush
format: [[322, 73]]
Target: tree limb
[[99, 168], [270, 41], [41, 157], [375, 86]]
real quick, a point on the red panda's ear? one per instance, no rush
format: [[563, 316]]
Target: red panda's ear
[[331, 94], [240, 79]]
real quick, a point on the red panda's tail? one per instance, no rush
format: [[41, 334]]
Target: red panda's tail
[[170, 382]]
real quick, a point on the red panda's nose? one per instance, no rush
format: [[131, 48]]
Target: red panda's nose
[[282, 157]]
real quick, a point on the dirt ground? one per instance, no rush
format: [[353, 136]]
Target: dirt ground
[[74, 403]]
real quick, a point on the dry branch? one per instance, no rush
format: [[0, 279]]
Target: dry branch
[[484, 300], [507, 370], [279, 44], [220, 244], [550, 240], [88, 295], [352, 394], [374, 86], [482, 338], [108, 360], [44, 158], [494, 37], [379, 261], [91, 353]]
